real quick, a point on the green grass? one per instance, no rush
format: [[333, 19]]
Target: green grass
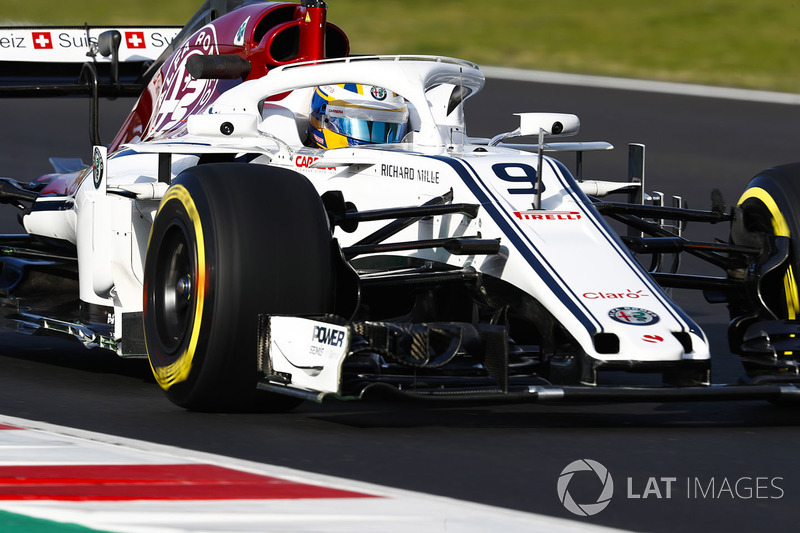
[[737, 43], [18, 523]]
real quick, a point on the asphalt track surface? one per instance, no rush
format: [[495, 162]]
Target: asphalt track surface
[[508, 456]]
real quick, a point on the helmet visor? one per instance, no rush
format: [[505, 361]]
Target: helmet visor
[[367, 130], [378, 122]]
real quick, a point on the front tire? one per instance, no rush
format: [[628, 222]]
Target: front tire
[[230, 241], [771, 206], [765, 318]]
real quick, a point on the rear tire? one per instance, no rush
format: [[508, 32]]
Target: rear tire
[[230, 241]]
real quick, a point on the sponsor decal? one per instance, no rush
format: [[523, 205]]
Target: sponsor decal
[[160, 40], [305, 161], [410, 173], [378, 93], [135, 39], [239, 39], [547, 215], [629, 294], [98, 167], [654, 339], [72, 44], [324, 336], [68, 40], [603, 499], [334, 111], [42, 40], [185, 95], [634, 316], [330, 335], [12, 41]]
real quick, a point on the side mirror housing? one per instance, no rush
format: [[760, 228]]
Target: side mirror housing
[[108, 43], [542, 124], [552, 124]]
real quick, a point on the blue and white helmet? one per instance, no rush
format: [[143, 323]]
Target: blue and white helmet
[[353, 114]]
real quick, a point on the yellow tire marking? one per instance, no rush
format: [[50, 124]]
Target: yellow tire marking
[[781, 229], [179, 370]]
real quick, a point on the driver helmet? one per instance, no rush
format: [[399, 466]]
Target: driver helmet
[[353, 114]]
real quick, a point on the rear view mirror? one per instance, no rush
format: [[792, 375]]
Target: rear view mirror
[[542, 124], [108, 43], [561, 124]]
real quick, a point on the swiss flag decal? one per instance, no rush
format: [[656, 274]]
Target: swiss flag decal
[[135, 39], [42, 40]]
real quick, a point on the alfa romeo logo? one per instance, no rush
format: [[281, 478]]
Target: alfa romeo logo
[[635, 316], [98, 168], [378, 93], [585, 509]]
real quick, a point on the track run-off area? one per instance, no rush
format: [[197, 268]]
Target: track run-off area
[[54, 478]]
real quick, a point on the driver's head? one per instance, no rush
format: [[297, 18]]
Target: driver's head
[[353, 114]]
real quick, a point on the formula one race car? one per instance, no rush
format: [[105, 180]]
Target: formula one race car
[[279, 220]]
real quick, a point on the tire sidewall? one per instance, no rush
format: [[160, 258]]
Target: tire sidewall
[[178, 372]]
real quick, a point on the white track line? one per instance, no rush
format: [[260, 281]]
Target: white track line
[[684, 89]]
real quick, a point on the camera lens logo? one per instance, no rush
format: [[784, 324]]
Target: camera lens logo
[[585, 509]]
